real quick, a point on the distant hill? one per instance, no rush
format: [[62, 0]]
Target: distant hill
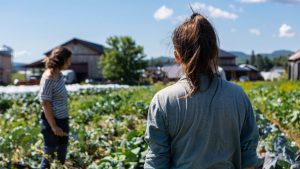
[[239, 54], [242, 57], [160, 61], [278, 53], [18, 66]]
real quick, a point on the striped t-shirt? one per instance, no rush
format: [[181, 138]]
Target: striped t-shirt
[[54, 90]]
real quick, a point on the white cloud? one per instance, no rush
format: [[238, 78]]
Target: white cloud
[[285, 31], [22, 53], [255, 31], [278, 1], [214, 11], [288, 1], [163, 13], [253, 1]]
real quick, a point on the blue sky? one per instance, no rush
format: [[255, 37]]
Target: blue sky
[[32, 27]]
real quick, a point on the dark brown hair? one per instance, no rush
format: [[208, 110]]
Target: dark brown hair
[[196, 42], [57, 58]]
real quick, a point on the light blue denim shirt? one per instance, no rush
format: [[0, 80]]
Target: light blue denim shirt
[[213, 129]]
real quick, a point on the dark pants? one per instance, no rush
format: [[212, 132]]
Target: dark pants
[[55, 147]]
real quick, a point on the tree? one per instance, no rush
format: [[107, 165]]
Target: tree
[[281, 61], [252, 58], [268, 64], [259, 62], [123, 60]]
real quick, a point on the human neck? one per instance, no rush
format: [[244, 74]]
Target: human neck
[[54, 72]]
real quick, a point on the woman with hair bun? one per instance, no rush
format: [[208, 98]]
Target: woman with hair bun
[[54, 98], [202, 121]]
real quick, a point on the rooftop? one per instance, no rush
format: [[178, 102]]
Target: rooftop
[[295, 56]]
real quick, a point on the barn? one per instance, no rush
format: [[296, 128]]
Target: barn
[[227, 62], [294, 66], [85, 59]]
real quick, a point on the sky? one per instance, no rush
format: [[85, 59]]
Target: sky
[[32, 27]]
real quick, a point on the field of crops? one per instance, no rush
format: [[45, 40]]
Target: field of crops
[[280, 103], [110, 124]]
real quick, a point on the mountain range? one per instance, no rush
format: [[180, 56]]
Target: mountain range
[[276, 53], [163, 60], [242, 57]]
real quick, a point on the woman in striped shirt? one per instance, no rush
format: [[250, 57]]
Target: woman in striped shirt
[[54, 98]]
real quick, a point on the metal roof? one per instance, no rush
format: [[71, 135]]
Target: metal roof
[[36, 64], [249, 67], [5, 53], [94, 46], [295, 56], [233, 68]]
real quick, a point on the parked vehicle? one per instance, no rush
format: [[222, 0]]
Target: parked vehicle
[[69, 76]]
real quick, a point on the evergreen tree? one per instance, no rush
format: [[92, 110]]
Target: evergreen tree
[[252, 58], [268, 64], [259, 62]]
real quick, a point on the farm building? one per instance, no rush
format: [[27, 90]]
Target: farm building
[[227, 64], [253, 73], [85, 59], [294, 66], [5, 65], [276, 73]]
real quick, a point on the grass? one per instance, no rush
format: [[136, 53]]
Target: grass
[[18, 76]]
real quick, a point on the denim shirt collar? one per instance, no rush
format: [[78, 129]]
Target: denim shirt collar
[[203, 78]]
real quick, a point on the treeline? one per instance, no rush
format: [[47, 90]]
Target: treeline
[[265, 63], [160, 61]]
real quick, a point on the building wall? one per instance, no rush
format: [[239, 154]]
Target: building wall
[[298, 66], [227, 61], [5, 64], [294, 70], [83, 54]]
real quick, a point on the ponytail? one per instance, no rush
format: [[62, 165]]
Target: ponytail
[[57, 58], [197, 44]]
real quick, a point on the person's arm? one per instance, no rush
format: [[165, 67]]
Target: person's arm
[[46, 99], [249, 138], [50, 118], [157, 137]]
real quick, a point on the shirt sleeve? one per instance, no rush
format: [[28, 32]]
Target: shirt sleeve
[[46, 90], [157, 137], [249, 137]]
